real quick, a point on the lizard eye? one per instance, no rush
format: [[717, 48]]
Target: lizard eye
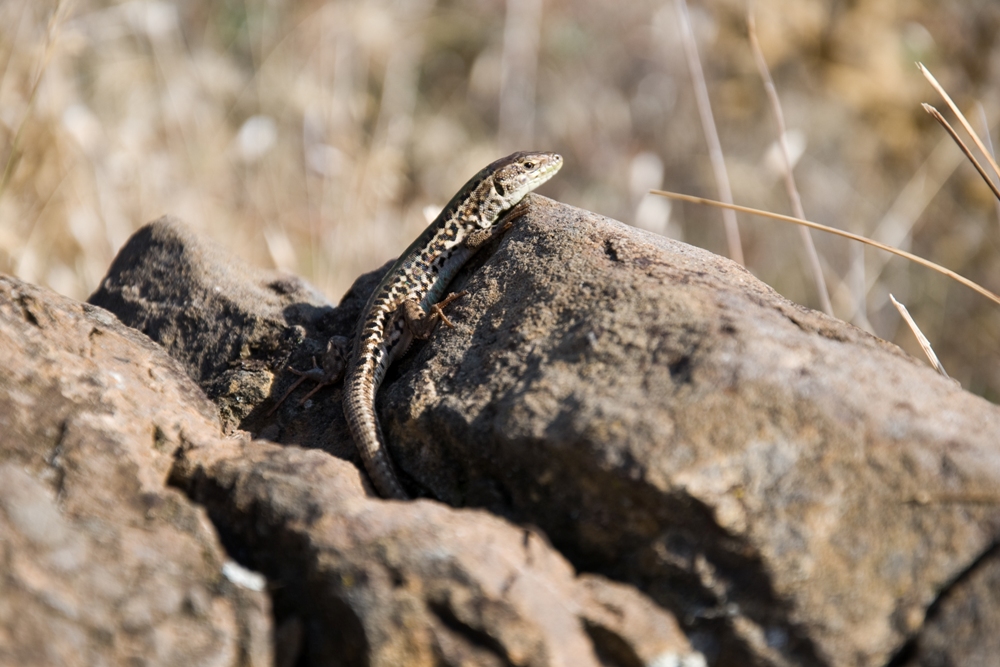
[[529, 165]]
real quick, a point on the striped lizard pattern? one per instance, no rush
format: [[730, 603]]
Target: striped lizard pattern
[[408, 302]]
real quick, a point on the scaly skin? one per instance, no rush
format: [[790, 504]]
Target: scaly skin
[[407, 303]]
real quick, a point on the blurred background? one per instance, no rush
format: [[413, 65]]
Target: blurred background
[[316, 137]]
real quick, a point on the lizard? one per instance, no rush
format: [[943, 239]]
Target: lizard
[[407, 304]]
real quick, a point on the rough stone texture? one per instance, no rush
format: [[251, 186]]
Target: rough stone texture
[[355, 580], [963, 627], [235, 329], [795, 490], [101, 563], [217, 316], [786, 482], [371, 582]]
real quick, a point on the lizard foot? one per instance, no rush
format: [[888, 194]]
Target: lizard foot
[[324, 375]]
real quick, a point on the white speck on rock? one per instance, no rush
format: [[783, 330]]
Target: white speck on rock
[[243, 577]]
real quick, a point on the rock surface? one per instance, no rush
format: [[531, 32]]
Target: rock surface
[[789, 483], [224, 321], [962, 626], [370, 582], [786, 482], [356, 580], [796, 491], [101, 562]]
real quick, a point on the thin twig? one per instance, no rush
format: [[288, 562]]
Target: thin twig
[[839, 232], [790, 186], [711, 133], [965, 149], [925, 344], [961, 117]]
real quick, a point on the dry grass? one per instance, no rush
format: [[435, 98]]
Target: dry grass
[[969, 155], [925, 344], [788, 167], [716, 155], [803, 223], [312, 136]]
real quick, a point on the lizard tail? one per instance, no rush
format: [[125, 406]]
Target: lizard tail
[[359, 408]]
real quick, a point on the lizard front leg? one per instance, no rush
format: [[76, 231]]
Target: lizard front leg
[[476, 239]]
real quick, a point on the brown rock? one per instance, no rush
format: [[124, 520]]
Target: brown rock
[[102, 562], [793, 487], [227, 323], [383, 583], [357, 580], [236, 329], [795, 490], [963, 626]]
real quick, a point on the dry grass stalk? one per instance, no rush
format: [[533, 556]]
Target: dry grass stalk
[[711, 133], [790, 186], [961, 117], [912, 200], [965, 149], [925, 344], [896, 225], [839, 232]]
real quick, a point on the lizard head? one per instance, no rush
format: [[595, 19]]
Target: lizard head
[[516, 175]]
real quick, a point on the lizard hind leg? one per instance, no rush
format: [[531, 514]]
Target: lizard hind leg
[[324, 374], [422, 324]]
